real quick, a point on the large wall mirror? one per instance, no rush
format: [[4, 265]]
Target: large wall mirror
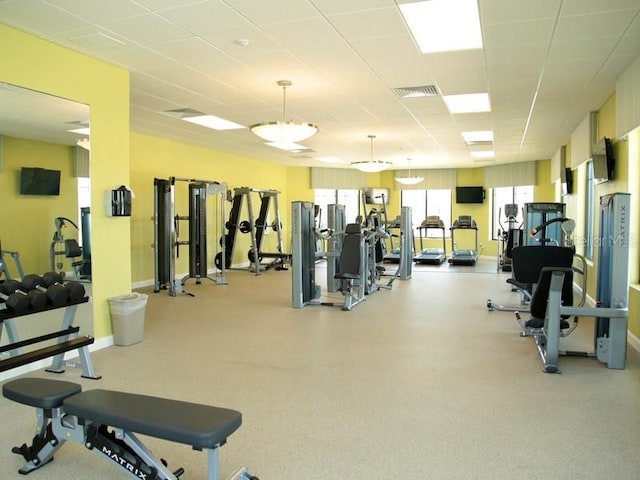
[[45, 189]]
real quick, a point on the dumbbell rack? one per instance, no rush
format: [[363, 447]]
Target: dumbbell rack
[[11, 355]]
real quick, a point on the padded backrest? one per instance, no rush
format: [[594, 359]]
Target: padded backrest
[[351, 255], [540, 295], [71, 248], [528, 261]]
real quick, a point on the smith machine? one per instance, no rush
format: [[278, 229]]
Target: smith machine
[[256, 227], [167, 240]]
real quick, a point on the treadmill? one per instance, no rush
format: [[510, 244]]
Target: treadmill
[[463, 256], [434, 256]]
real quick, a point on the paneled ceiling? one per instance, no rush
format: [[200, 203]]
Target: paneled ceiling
[[545, 65]]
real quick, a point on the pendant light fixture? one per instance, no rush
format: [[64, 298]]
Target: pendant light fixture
[[284, 132], [371, 165], [409, 179]]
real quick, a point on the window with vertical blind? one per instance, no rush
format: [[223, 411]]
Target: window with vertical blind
[[511, 175], [337, 178], [428, 202], [350, 198], [434, 179]]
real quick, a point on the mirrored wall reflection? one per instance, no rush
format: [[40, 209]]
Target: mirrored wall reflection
[[44, 180]]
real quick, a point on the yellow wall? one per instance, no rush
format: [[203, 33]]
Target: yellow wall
[[121, 246], [632, 148], [39, 65], [28, 220]]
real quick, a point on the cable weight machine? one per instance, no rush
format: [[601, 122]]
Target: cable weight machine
[[611, 312], [304, 254], [167, 240]]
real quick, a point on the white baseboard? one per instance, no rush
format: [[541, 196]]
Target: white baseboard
[[99, 344], [151, 282]]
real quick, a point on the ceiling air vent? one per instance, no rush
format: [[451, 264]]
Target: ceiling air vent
[[302, 157], [479, 143], [415, 92]]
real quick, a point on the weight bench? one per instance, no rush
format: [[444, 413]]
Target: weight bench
[[104, 421]]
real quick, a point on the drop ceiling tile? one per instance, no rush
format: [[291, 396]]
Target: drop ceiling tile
[[579, 7], [99, 11], [383, 22], [302, 34], [518, 56], [613, 68], [137, 58], [273, 11], [228, 41], [516, 34], [332, 7], [499, 11], [584, 27], [461, 80], [190, 51], [585, 48], [629, 45], [205, 18], [38, 16], [156, 5], [393, 53], [443, 61], [147, 30]]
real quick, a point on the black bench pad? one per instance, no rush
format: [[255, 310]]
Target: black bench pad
[[200, 426], [40, 392]]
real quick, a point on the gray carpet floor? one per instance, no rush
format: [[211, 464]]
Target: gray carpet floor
[[419, 382]]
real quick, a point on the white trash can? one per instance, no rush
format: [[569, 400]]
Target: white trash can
[[127, 318]]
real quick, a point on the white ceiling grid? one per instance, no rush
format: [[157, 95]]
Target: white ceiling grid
[[344, 58]]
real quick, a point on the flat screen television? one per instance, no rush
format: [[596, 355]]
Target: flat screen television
[[39, 181], [469, 194], [375, 196], [603, 161], [567, 181]]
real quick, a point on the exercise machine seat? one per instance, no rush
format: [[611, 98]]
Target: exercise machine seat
[[540, 297], [350, 262]]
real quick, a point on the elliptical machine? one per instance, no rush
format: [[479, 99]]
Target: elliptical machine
[[508, 237]]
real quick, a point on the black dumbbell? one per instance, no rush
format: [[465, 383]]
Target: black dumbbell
[[37, 300], [76, 289], [14, 302], [58, 295]]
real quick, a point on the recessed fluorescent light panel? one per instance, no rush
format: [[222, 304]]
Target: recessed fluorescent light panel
[[211, 121], [290, 147], [444, 25], [467, 103], [478, 137], [329, 159], [483, 154]]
